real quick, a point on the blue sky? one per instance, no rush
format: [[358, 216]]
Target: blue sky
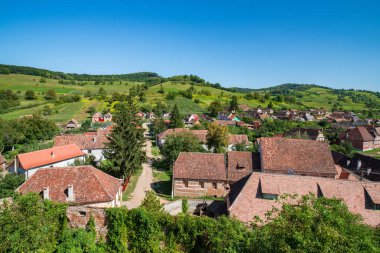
[[236, 43]]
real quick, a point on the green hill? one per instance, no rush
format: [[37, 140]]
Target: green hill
[[191, 93]]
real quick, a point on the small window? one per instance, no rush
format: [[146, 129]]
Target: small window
[[89, 151], [202, 184], [269, 196], [186, 183], [215, 185], [376, 207]]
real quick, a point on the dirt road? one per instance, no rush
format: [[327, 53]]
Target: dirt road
[[144, 183]]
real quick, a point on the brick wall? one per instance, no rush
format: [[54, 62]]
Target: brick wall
[[194, 188], [79, 216]]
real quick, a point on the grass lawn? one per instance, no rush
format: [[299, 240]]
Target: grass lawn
[[156, 151], [163, 182], [375, 153], [132, 185]]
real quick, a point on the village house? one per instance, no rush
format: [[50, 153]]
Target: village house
[[255, 195], [2, 162], [375, 132], [73, 124], [91, 143], [305, 133], [199, 174], [191, 119], [30, 163], [208, 174], [244, 108], [228, 116], [360, 138], [201, 135], [150, 116], [339, 117], [76, 185], [296, 157], [100, 118], [318, 113]]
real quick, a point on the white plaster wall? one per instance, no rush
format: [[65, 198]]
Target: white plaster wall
[[30, 172]]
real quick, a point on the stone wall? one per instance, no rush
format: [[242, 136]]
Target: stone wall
[[79, 216]]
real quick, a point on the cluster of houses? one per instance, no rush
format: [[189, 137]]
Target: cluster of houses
[[298, 161], [51, 172], [201, 135], [250, 182]]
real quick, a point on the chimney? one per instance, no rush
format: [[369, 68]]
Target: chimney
[[46, 192], [52, 154], [70, 193]]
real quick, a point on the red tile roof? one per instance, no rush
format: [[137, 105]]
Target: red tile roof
[[359, 133], [240, 164], [300, 156], [48, 156], [90, 184], [248, 203], [206, 166], [88, 141], [238, 139]]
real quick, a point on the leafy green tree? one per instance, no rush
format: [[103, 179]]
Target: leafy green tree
[[158, 126], [176, 120], [234, 105], [217, 138], [125, 147], [50, 95], [314, 225], [151, 202], [180, 142], [185, 206], [30, 224], [43, 80], [46, 110], [29, 95], [215, 107], [102, 93], [270, 105], [9, 183]]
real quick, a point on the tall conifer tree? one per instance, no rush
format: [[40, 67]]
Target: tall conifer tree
[[126, 141], [176, 118]]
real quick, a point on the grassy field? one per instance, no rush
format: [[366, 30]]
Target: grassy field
[[315, 97], [163, 182], [373, 153]]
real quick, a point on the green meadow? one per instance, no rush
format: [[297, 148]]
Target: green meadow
[[315, 97]]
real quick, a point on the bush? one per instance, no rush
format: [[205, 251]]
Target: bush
[[185, 206]]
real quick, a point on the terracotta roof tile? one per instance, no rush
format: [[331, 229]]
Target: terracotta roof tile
[[48, 156], [90, 184], [240, 164], [300, 156], [249, 203], [359, 133], [88, 141], [238, 139], [194, 165]]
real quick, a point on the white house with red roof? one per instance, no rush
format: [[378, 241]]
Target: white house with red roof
[[30, 163], [91, 143], [76, 185]]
